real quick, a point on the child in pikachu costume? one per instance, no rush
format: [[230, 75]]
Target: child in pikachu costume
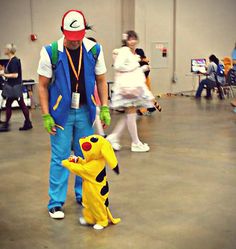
[[97, 152]]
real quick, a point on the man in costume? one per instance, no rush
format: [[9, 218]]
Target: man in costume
[[68, 70]]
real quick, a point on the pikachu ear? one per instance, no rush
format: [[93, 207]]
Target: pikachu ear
[[109, 156]]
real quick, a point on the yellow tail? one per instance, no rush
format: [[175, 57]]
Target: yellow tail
[[113, 220]]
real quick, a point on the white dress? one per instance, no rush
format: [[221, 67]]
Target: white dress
[[129, 84]]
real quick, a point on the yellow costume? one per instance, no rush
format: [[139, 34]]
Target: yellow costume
[[97, 152]]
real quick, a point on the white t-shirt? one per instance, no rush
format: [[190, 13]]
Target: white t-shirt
[[45, 66], [211, 71]]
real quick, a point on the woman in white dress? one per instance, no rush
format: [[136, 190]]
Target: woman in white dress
[[129, 92]]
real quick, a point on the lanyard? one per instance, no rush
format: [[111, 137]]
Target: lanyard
[[76, 73]]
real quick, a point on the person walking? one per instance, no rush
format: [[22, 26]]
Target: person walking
[[129, 92], [12, 89], [144, 61], [67, 101]]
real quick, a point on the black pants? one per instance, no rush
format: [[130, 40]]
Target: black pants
[[209, 84], [22, 105]]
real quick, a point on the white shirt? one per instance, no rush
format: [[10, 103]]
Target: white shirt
[[45, 66], [125, 60], [211, 72], [127, 70]]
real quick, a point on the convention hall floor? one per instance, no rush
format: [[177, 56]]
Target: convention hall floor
[[180, 195]]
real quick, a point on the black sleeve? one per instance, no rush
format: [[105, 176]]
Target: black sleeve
[[142, 63]]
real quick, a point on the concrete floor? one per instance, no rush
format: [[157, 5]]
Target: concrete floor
[[180, 195]]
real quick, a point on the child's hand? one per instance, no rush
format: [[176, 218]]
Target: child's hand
[[73, 159]]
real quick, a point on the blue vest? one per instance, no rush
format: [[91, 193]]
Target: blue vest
[[60, 88]]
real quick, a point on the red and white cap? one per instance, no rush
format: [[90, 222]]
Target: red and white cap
[[73, 25]]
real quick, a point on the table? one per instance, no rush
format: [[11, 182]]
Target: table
[[29, 84], [196, 79]]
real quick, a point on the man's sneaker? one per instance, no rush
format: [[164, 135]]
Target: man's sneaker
[[27, 126], [139, 147], [114, 142], [56, 213]]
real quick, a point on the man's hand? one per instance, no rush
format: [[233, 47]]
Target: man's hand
[[105, 115], [49, 124]]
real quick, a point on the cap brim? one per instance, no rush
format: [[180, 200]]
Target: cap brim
[[74, 35]]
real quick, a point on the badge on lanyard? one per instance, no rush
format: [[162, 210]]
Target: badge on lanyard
[[75, 100]]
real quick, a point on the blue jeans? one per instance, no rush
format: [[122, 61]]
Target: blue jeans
[[78, 125], [209, 84]]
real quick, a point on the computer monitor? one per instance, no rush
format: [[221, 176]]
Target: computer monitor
[[198, 65]]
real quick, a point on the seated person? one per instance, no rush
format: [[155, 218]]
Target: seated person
[[233, 102], [1, 86], [210, 81]]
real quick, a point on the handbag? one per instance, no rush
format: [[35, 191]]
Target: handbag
[[12, 91]]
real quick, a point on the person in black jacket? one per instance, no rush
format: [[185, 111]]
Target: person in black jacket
[[1, 98], [13, 78], [144, 63]]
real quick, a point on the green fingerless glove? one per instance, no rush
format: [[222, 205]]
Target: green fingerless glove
[[48, 122], [105, 115]]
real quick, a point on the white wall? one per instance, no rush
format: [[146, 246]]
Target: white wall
[[203, 27], [203, 31], [153, 22], [15, 26]]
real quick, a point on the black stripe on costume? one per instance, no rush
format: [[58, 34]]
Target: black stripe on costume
[[105, 189], [107, 202], [116, 169], [100, 177]]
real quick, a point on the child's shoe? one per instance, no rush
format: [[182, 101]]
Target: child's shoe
[[98, 227], [82, 221]]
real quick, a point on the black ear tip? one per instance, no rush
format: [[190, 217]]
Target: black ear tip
[[116, 169]]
